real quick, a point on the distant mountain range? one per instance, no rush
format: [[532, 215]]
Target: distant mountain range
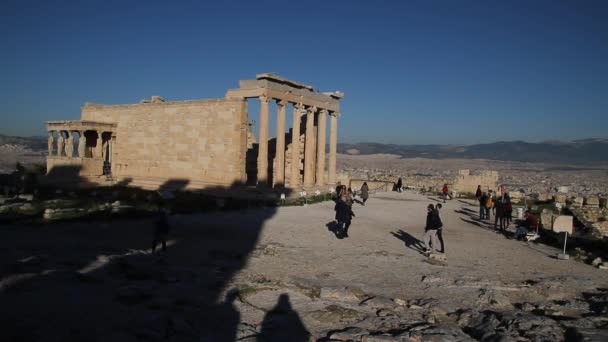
[[586, 151], [32, 143]]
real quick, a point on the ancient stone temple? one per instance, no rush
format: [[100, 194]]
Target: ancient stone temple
[[203, 143]]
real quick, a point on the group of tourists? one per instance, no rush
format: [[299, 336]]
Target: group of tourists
[[499, 205], [344, 206], [502, 209]]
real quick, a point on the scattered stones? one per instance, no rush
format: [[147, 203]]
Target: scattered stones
[[379, 302], [400, 302], [344, 294], [493, 299], [430, 279], [337, 314], [266, 250], [385, 313], [349, 334], [597, 262]]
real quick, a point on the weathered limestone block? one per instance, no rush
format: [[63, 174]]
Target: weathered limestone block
[[592, 201]]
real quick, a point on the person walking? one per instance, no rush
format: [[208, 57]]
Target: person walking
[[364, 192], [440, 229], [489, 203], [499, 215], [430, 230], [478, 192], [508, 212], [161, 229], [446, 192], [344, 215], [482, 205], [399, 184]]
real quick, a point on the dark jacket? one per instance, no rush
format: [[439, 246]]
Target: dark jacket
[[433, 221], [364, 191], [482, 200], [162, 222], [343, 212], [478, 193]]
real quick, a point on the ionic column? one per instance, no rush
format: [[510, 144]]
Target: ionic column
[[98, 146], [309, 152], [263, 143], [333, 147], [295, 147], [82, 144], [280, 147], [322, 131], [50, 142]]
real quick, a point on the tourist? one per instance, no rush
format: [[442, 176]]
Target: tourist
[[478, 192], [446, 192], [440, 229], [524, 227], [489, 204], [364, 192], [161, 231], [482, 205], [344, 215], [433, 222], [508, 211], [499, 215], [399, 184]]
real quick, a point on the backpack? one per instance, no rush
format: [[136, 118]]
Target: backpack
[[489, 202]]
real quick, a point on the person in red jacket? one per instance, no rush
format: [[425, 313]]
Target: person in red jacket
[[446, 192]]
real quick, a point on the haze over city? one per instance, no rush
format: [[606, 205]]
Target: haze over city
[[414, 72]]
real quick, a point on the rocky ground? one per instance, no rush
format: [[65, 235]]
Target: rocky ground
[[280, 274]]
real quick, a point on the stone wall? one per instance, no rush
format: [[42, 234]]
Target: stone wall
[[467, 182], [201, 143]]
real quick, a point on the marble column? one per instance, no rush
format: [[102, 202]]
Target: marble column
[[309, 148], [322, 131], [263, 142], [82, 144], [280, 147], [50, 142], [333, 147], [295, 147]]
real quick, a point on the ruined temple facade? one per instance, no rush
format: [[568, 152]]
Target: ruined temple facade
[[203, 143]]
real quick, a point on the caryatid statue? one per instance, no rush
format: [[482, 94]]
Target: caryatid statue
[[51, 140], [69, 145], [82, 142], [60, 144]]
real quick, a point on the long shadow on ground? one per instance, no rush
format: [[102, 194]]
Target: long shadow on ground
[[409, 240], [99, 282]]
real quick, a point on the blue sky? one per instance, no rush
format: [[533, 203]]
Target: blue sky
[[414, 72]]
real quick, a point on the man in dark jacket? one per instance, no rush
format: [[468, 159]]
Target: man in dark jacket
[[433, 222], [344, 215]]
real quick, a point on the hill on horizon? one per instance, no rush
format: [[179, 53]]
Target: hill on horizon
[[584, 151]]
